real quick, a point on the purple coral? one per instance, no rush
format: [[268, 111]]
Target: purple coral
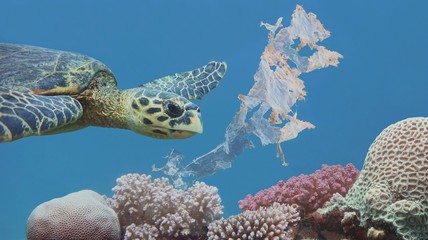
[[309, 191]]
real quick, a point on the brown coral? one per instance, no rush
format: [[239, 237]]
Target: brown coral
[[393, 185], [274, 222]]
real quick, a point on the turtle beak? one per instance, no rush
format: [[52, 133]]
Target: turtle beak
[[197, 123], [192, 127]]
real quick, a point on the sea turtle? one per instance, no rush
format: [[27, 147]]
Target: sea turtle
[[44, 91]]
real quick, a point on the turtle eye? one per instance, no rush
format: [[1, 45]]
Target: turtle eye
[[172, 109]]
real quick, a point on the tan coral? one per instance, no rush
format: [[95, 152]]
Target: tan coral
[[274, 222], [393, 185]]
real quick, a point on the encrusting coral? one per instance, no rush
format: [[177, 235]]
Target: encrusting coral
[[393, 184], [79, 215], [274, 222], [309, 191], [156, 210]]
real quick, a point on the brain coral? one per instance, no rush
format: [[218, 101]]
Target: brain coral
[[393, 184], [156, 210], [79, 215], [274, 222]]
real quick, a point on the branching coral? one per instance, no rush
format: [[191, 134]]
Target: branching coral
[[309, 191], [274, 222], [144, 231], [156, 209]]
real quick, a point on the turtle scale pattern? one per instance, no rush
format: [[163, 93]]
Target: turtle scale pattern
[[39, 112], [189, 88], [52, 72]]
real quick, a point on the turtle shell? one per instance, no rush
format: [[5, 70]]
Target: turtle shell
[[48, 72]]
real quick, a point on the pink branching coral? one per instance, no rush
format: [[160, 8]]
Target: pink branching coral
[[156, 210], [309, 191]]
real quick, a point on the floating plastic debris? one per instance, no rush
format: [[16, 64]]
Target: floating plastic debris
[[276, 90]]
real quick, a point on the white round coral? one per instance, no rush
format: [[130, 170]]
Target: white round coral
[[79, 215]]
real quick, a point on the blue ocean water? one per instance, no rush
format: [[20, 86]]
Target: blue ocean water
[[381, 80]]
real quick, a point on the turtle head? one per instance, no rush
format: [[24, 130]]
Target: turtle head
[[163, 114]]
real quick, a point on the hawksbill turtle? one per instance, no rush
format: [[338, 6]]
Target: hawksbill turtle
[[45, 91]]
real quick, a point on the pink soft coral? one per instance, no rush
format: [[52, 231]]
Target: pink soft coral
[[309, 191]]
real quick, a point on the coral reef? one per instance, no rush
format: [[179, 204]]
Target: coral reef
[[156, 210], [79, 215], [389, 200], [309, 191], [393, 184], [274, 222]]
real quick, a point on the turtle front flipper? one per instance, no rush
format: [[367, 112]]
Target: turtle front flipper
[[24, 114], [192, 84]]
